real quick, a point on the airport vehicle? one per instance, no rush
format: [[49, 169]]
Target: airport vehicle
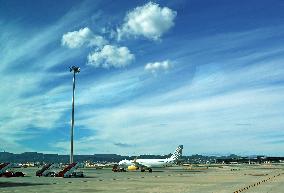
[[148, 164], [69, 171], [4, 171], [47, 170]]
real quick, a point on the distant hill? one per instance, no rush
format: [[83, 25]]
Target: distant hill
[[56, 158], [106, 158]]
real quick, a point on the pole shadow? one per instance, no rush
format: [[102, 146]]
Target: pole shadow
[[18, 184]]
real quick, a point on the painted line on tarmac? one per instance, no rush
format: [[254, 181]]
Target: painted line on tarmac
[[256, 184]]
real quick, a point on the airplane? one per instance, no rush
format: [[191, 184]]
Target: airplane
[[4, 171], [148, 164]]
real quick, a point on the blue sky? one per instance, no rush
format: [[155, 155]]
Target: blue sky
[[154, 74]]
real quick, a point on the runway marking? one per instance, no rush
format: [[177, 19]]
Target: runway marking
[[256, 184]]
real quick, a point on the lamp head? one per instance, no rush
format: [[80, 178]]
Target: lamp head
[[75, 69]]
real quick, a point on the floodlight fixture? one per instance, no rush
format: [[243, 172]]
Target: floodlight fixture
[[75, 69]]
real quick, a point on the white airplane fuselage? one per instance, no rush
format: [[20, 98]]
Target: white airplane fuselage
[[155, 163]]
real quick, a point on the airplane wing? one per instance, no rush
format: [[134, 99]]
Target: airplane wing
[[139, 164]]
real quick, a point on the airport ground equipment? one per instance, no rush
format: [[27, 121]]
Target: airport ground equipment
[[70, 171], [47, 170], [4, 171], [116, 168]]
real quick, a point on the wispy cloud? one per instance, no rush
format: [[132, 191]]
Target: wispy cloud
[[123, 145], [225, 88], [28, 100], [211, 104]]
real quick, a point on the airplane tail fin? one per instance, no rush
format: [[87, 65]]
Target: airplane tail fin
[[178, 153]]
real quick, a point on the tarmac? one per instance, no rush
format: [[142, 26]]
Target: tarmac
[[195, 179]]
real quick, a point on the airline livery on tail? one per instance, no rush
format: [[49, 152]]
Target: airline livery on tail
[[148, 164]]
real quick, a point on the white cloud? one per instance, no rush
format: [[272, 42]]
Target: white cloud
[[82, 37], [111, 56], [150, 21], [158, 66]]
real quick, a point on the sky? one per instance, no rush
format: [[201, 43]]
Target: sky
[[206, 74]]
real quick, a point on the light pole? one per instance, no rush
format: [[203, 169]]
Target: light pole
[[75, 70]]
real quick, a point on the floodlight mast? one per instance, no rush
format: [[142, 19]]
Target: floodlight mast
[[75, 70]]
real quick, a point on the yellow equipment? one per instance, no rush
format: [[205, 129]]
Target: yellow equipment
[[132, 168]]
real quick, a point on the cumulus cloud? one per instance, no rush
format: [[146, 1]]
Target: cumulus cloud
[[82, 37], [111, 56], [150, 21], [158, 66]]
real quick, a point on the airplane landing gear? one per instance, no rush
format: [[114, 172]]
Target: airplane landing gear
[[149, 170], [142, 170]]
